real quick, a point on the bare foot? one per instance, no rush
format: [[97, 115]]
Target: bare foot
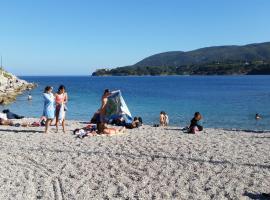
[[122, 130]]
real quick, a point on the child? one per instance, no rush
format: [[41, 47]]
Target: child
[[166, 119], [162, 118], [194, 123]]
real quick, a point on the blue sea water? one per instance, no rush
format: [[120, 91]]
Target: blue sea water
[[224, 101]]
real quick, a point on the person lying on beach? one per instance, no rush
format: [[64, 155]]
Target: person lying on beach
[[103, 129], [89, 130], [6, 122], [11, 115], [195, 126], [136, 122]]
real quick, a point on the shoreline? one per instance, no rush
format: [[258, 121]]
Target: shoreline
[[11, 86], [82, 121], [144, 163]]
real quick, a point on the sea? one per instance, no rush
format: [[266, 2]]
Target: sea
[[229, 102]]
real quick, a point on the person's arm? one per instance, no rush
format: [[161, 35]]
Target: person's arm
[[104, 102], [48, 97], [66, 98]]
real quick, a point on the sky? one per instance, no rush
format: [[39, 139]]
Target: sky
[[75, 37]]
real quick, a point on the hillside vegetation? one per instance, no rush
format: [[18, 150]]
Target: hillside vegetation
[[218, 60]]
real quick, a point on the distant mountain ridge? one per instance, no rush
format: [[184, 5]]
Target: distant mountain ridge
[[247, 59]]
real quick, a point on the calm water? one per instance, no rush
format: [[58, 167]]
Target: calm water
[[224, 101]]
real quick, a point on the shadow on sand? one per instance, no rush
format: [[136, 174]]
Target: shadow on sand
[[21, 131], [256, 196], [152, 157]]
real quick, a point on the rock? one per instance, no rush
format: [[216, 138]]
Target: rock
[[11, 86]]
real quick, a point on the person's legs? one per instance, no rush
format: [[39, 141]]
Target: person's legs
[[200, 128], [48, 121], [56, 117], [193, 129], [6, 122], [109, 131], [63, 125], [113, 131]]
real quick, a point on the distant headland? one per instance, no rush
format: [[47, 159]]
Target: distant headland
[[251, 59]]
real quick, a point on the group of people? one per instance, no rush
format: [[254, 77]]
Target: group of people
[[55, 107], [102, 122], [194, 126], [99, 123]]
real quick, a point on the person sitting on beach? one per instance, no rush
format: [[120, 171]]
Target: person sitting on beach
[[120, 121], [257, 116], [136, 123], [49, 109], [195, 126], [162, 118], [61, 99]]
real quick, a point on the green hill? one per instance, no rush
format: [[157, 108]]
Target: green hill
[[221, 60]]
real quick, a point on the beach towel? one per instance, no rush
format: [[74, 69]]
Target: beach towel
[[49, 109], [3, 116], [62, 112], [117, 107]]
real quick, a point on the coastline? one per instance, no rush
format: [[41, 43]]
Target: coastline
[[148, 162], [11, 86]]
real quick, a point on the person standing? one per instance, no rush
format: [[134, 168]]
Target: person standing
[[167, 121], [49, 109], [61, 98], [104, 101]]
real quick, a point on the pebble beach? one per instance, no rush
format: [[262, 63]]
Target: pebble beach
[[144, 163]]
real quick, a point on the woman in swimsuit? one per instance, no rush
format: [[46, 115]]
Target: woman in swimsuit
[[61, 99]]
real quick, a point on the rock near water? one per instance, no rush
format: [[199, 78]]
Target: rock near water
[[11, 86]]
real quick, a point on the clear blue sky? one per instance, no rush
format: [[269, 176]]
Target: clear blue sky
[[53, 37]]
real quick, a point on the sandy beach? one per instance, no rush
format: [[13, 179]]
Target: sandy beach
[[144, 163]]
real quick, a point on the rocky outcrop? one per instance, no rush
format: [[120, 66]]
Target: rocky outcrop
[[11, 86]]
